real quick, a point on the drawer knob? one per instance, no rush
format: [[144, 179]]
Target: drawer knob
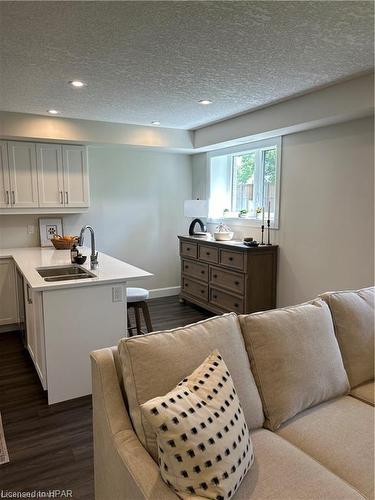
[[236, 305], [215, 276], [237, 283], [231, 258], [202, 291], [207, 253], [186, 267], [188, 249], [203, 271], [215, 296], [186, 285]]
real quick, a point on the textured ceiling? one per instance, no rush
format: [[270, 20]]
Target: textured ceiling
[[146, 61]]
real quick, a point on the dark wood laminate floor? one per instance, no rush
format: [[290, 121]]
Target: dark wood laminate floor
[[50, 447]]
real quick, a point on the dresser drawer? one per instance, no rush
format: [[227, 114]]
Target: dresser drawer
[[226, 301], [235, 282], [208, 254], [195, 269], [232, 259], [194, 288], [189, 249]]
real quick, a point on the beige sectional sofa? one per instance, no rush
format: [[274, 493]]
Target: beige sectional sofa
[[307, 398]]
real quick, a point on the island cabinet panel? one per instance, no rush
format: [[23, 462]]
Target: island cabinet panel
[[228, 276], [35, 340]]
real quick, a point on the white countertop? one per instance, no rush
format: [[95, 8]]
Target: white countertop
[[110, 270]]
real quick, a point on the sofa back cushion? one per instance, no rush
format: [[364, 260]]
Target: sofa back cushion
[[154, 364], [295, 359], [353, 319]]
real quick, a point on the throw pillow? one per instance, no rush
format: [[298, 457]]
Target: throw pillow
[[203, 440]]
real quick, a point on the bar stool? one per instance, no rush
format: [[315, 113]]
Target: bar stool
[[136, 298]]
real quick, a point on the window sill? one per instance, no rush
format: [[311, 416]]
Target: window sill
[[242, 221]]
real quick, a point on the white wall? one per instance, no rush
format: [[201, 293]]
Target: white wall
[[136, 210], [326, 233]]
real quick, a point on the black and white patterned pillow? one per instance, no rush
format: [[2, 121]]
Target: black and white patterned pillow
[[203, 440]]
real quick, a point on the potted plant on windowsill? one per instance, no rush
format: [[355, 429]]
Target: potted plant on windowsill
[[242, 213]]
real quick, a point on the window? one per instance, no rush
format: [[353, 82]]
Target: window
[[244, 181]]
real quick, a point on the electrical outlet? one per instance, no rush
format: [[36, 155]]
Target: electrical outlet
[[117, 294], [30, 229]]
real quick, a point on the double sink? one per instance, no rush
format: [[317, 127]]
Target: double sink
[[65, 273]]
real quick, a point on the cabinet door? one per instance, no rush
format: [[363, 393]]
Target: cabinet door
[[30, 322], [50, 175], [23, 174], [4, 177], [35, 331], [76, 188], [8, 293]]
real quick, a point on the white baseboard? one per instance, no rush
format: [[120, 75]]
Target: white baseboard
[[164, 292], [9, 328]]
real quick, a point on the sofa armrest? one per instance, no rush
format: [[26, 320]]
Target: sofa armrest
[[123, 468]]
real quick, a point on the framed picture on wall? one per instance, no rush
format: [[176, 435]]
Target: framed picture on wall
[[48, 228]]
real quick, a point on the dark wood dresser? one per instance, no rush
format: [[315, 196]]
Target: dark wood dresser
[[225, 276]]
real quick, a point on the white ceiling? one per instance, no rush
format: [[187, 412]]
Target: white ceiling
[[146, 61]]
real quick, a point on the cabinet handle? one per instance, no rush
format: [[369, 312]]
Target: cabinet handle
[[29, 301], [186, 285], [186, 267], [231, 258], [188, 249], [13, 198], [61, 198], [236, 305], [215, 296], [67, 197], [203, 271], [202, 291], [7, 195], [215, 276], [207, 253], [237, 283]]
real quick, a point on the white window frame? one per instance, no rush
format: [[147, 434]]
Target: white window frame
[[246, 148]]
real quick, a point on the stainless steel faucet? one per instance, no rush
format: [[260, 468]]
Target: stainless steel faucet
[[94, 255]]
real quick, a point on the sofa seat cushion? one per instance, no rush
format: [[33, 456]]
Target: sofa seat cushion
[[154, 364], [365, 392], [353, 319], [295, 359], [340, 435], [282, 471]]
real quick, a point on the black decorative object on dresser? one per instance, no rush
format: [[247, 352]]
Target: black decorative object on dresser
[[225, 276]]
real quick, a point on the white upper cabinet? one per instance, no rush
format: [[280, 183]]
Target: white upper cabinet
[[4, 177], [35, 175], [50, 175], [23, 174], [75, 176]]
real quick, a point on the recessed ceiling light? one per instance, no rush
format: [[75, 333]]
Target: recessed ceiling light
[[77, 84], [205, 102], [155, 123], [53, 112]]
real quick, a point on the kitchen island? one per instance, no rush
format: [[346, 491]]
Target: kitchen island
[[67, 319]]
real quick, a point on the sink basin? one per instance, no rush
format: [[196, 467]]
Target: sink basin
[[65, 273]]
